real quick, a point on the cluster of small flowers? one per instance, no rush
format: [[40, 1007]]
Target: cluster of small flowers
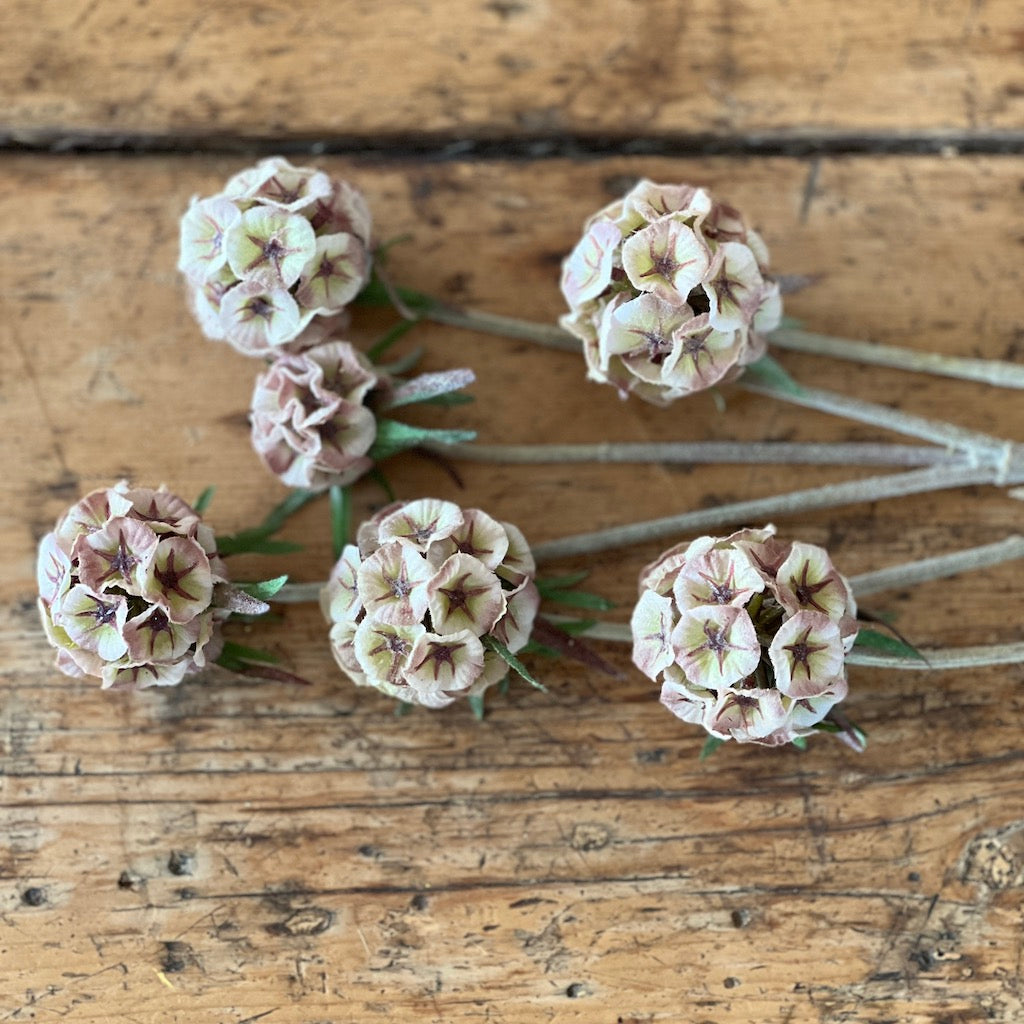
[[127, 584], [310, 426], [273, 259], [746, 634], [417, 606], [669, 293]]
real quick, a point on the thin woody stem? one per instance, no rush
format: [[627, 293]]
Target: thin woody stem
[[932, 658], [769, 452], [988, 371], [996, 372], [848, 493]]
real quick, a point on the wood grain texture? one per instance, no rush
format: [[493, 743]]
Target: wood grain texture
[[506, 69], [231, 851]]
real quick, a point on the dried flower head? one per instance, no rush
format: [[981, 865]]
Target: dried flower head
[[429, 602], [669, 293], [746, 635], [130, 588], [276, 254], [310, 425]]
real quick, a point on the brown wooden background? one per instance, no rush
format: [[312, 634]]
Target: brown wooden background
[[227, 852]]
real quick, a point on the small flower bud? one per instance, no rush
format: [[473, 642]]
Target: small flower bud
[[414, 607], [128, 585], [746, 635], [280, 248], [669, 292]]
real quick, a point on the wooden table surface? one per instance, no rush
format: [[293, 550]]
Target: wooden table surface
[[229, 852]]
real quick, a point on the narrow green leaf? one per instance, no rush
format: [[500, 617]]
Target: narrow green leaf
[[263, 590], [476, 704], [800, 742], [341, 519], [376, 293], [711, 744], [402, 708], [574, 626], [240, 653], [510, 659], [394, 437], [381, 253], [767, 371], [453, 398], [579, 599], [398, 331], [872, 640], [404, 363], [503, 686], [532, 647], [280, 514], [560, 582], [202, 503]]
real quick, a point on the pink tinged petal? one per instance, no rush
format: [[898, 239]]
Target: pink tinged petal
[[163, 511], [342, 642], [116, 556], [807, 655], [666, 258], [759, 249], [651, 625], [152, 637], [335, 274], [94, 622], [270, 246], [340, 598], [421, 522], [442, 666], [716, 646], [258, 320], [88, 515], [140, 677], [246, 183], [345, 371], [701, 356], [734, 287], [465, 594], [384, 651], [202, 237], [588, 269], [393, 584], [205, 300], [178, 579], [518, 563], [642, 329], [209, 642], [478, 535], [368, 532], [53, 569], [495, 670], [725, 223], [292, 188], [722, 576], [807, 581], [344, 210], [515, 627], [651, 201], [805, 712], [768, 314], [765, 551], [690, 703], [747, 715], [660, 575]]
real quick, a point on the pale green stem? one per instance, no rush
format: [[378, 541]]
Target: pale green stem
[[934, 658], [769, 452], [756, 510], [548, 335], [988, 371]]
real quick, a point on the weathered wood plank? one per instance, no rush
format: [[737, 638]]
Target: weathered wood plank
[[568, 859], [495, 69]]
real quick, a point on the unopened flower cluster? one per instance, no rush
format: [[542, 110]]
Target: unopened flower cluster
[[127, 582], [416, 606], [669, 293], [273, 259], [746, 634]]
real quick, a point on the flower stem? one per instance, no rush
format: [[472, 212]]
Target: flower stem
[[770, 452], [851, 492], [548, 335], [989, 371]]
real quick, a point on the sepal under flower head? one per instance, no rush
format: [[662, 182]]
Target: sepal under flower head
[[746, 635], [669, 292], [129, 588], [280, 248], [419, 605]]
